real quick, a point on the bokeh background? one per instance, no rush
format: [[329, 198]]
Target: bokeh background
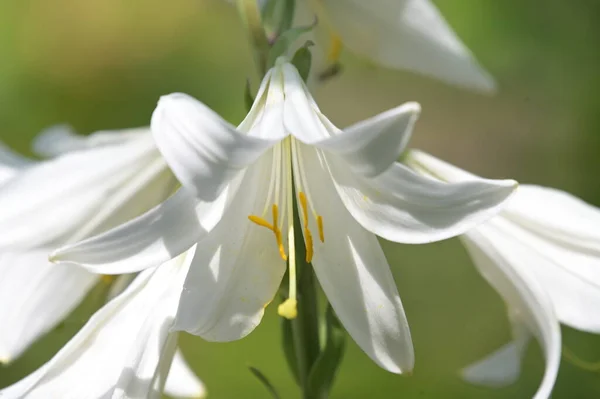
[[102, 64]]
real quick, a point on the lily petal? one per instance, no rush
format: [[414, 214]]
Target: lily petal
[[236, 270], [119, 351], [11, 163], [34, 297], [407, 34], [503, 366], [369, 147], [182, 382], [48, 201], [151, 239], [60, 139], [521, 291], [356, 278], [204, 151], [557, 215], [402, 206], [570, 277]]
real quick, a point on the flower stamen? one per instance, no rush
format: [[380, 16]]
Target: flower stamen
[[335, 48], [273, 227], [307, 234]]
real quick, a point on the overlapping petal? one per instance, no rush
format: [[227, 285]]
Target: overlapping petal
[[406, 34], [519, 288], [402, 206], [356, 278], [204, 151], [369, 147], [124, 349], [11, 163], [50, 200], [34, 297], [236, 270], [181, 381]]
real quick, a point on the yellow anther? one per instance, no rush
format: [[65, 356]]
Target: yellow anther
[[335, 48], [107, 279], [320, 226], [261, 222], [273, 227], [280, 244], [288, 309], [304, 206], [309, 245]]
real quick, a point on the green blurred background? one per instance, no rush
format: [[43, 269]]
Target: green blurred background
[[102, 64]]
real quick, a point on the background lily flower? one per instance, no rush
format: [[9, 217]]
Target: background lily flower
[[236, 205], [544, 240], [401, 34], [92, 184], [125, 350]]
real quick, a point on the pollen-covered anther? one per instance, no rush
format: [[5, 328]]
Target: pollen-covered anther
[[107, 278], [307, 234], [273, 227], [335, 48]]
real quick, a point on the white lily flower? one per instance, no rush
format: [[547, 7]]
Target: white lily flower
[[94, 183], [125, 350], [348, 187], [400, 34], [546, 241]]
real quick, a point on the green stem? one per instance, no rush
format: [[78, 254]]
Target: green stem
[[250, 13], [305, 327]]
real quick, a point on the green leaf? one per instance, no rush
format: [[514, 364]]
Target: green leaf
[[287, 341], [302, 60], [265, 381], [248, 97], [286, 40], [325, 368]]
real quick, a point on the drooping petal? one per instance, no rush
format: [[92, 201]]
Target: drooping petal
[[182, 382], [47, 202], [119, 351], [204, 151], [402, 206], [151, 239], [503, 366], [570, 277], [557, 215], [369, 147], [34, 297], [355, 276], [236, 270], [60, 139], [406, 34], [520, 290]]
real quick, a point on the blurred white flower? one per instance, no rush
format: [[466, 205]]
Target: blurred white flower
[[400, 34], [236, 205], [125, 350], [92, 184], [542, 254]]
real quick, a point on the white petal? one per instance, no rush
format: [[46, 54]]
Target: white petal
[[356, 278], [204, 151], [429, 165], [149, 240], [48, 201], [406, 34], [520, 291], [500, 368], [60, 139], [369, 147], [404, 207], [557, 215], [236, 270], [34, 297], [119, 351], [571, 277], [11, 163], [182, 382]]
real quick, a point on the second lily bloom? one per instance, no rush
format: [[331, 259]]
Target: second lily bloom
[[239, 186]]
